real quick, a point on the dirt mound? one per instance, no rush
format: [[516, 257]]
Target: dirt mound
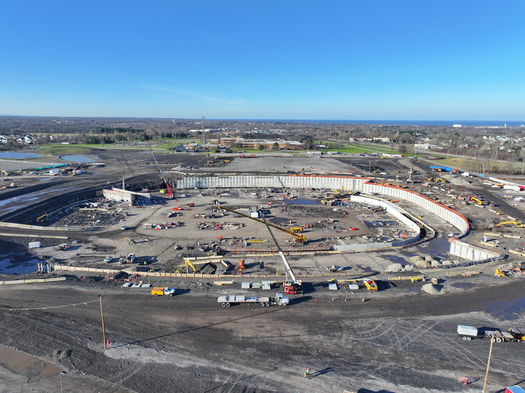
[[432, 289]]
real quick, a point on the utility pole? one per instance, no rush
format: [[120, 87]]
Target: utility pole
[[488, 365], [62, 386], [103, 328]]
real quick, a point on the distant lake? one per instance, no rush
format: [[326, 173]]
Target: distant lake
[[18, 156], [76, 158]]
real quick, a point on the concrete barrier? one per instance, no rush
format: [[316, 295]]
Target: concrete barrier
[[32, 281], [41, 236], [38, 227]]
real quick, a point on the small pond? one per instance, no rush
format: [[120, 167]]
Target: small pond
[[18, 156], [76, 158], [300, 202]]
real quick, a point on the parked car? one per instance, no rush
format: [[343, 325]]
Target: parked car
[[108, 259], [123, 228]]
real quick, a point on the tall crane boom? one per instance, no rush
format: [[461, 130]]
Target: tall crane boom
[[298, 238], [289, 270], [170, 194]]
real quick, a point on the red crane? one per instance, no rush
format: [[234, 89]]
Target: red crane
[[170, 194]]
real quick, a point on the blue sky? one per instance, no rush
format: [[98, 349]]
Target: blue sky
[[249, 59]]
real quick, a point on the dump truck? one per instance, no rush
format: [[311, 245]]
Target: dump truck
[[161, 291], [264, 301]]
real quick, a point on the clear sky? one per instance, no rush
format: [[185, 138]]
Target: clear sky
[[252, 59]]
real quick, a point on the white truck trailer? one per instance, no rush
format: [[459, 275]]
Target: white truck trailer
[[470, 332], [264, 301]]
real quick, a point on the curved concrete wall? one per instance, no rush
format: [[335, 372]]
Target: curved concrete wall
[[453, 217]]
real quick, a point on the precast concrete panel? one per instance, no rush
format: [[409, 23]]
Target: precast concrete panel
[[470, 252]]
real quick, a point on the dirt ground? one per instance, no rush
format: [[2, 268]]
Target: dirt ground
[[399, 339], [394, 343]]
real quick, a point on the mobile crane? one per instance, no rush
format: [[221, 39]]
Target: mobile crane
[[291, 286], [297, 237], [170, 194]]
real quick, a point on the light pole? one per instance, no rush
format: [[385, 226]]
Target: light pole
[[61, 387]]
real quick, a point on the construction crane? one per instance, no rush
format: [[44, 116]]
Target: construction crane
[[170, 194], [291, 286], [297, 238]]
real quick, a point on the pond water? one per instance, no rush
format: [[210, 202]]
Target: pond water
[[510, 310], [300, 202], [8, 266], [18, 156], [77, 158]]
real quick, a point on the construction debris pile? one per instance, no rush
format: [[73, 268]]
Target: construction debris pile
[[218, 226], [163, 225], [85, 217]]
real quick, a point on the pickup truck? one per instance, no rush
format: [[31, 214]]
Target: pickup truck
[[264, 301], [161, 291]]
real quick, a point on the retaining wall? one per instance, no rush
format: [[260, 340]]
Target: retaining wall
[[32, 281], [245, 277], [37, 227], [470, 252]]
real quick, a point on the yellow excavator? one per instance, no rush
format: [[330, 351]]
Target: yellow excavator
[[515, 223], [297, 238], [43, 218]]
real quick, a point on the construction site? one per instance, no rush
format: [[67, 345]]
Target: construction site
[[378, 260]]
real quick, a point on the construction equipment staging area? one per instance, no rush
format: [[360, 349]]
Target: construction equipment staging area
[[352, 336]]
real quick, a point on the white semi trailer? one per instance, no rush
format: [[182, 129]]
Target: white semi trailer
[[264, 301]]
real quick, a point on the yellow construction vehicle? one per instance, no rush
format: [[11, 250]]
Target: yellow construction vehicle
[[296, 229], [476, 200], [348, 192], [190, 263], [515, 223], [500, 273], [43, 218], [296, 237], [370, 284], [4, 173]]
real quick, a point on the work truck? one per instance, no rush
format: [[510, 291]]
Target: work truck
[[161, 291], [264, 301], [469, 332]]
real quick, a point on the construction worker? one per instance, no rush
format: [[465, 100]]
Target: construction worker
[[307, 373]]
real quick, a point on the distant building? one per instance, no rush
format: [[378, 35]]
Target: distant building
[[426, 146], [456, 125]]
